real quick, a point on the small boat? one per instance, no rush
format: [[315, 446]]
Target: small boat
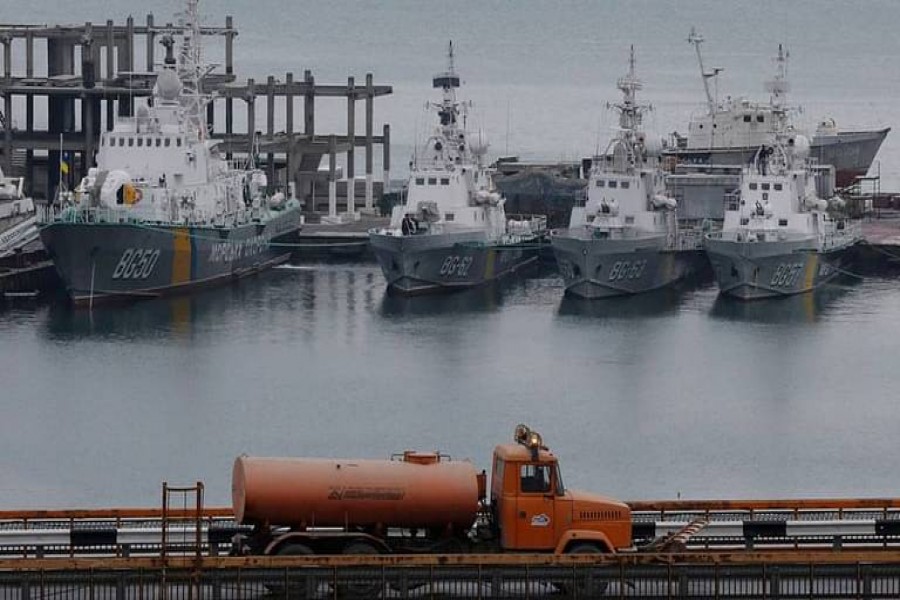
[[779, 237], [452, 231], [626, 238]]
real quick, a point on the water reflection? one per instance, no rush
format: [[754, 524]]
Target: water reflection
[[801, 308], [657, 303], [484, 298]]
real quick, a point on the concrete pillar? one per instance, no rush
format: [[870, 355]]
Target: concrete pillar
[[61, 111], [270, 130], [7, 58], [332, 179], [229, 70], [289, 131], [110, 71], [351, 141], [309, 105], [150, 39], [29, 113], [251, 118], [229, 45], [126, 63], [370, 115], [7, 106], [7, 133], [386, 155]]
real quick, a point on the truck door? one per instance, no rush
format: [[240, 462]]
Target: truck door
[[535, 515]]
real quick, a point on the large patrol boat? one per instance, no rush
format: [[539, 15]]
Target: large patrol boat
[[730, 132], [626, 238], [164, 211], [452, 231], [779, 236]]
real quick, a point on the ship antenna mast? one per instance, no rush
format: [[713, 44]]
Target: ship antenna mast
[[696, 39], [190, 65], [779, 86]]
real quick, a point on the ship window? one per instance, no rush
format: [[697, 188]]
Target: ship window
[[168, 142], [765, 186], [782, 222], [752, 186], [765, 195], [130, 142], [432, 181], [600, 183], [625, 185], [535, 478], [613, 183], [158, 142], [121, 142], [140, 142], [778, 187], [629, 220], [449, 216], [746, 118], [178, 142], [420, 181], [745, 220], [445, 181], [760, 118]]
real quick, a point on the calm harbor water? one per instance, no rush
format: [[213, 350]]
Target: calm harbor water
[[675, 393]]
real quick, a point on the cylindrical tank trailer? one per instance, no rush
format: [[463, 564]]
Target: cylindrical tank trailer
[[418, 491]]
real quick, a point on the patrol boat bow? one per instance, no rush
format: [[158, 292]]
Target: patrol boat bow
[[779, 237], [163, 211], [452, 232], [626, 239]]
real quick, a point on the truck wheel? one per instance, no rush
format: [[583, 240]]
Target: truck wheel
[[359, 586], [584, 584], [295, 549], [298, 586]]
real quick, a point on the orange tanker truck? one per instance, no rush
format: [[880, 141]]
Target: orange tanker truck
[[423, 502]]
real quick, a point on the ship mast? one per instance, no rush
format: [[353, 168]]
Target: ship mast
[[448, 109], [779, 86], [189, 68], [696, 39], [630, 113]]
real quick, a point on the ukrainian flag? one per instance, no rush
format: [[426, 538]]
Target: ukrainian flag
[[65, 163]]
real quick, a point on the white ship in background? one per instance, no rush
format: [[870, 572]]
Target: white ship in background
[[730, 132]]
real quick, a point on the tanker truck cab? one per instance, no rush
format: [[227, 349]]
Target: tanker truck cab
[[534, 511]]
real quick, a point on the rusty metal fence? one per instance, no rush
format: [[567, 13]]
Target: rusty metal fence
[[651, 581]]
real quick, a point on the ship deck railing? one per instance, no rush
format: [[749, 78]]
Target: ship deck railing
[[55, 213]]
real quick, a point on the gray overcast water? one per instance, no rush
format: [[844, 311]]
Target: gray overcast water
[[680, 392]]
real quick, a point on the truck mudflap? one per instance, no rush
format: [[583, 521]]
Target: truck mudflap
[[581, 537]]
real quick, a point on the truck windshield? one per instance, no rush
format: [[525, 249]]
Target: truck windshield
[[535, 478]]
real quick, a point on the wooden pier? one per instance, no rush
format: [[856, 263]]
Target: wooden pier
[[91, 77]]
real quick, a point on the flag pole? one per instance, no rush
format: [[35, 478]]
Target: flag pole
[[61, 158]]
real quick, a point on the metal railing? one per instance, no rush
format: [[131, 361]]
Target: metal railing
[[661, 577]]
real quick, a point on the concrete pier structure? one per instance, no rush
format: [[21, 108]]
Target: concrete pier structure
[[86, 95]]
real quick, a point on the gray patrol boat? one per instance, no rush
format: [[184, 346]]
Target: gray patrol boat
[[626, 238], [779, 236], [164, 211], [452, 231]]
